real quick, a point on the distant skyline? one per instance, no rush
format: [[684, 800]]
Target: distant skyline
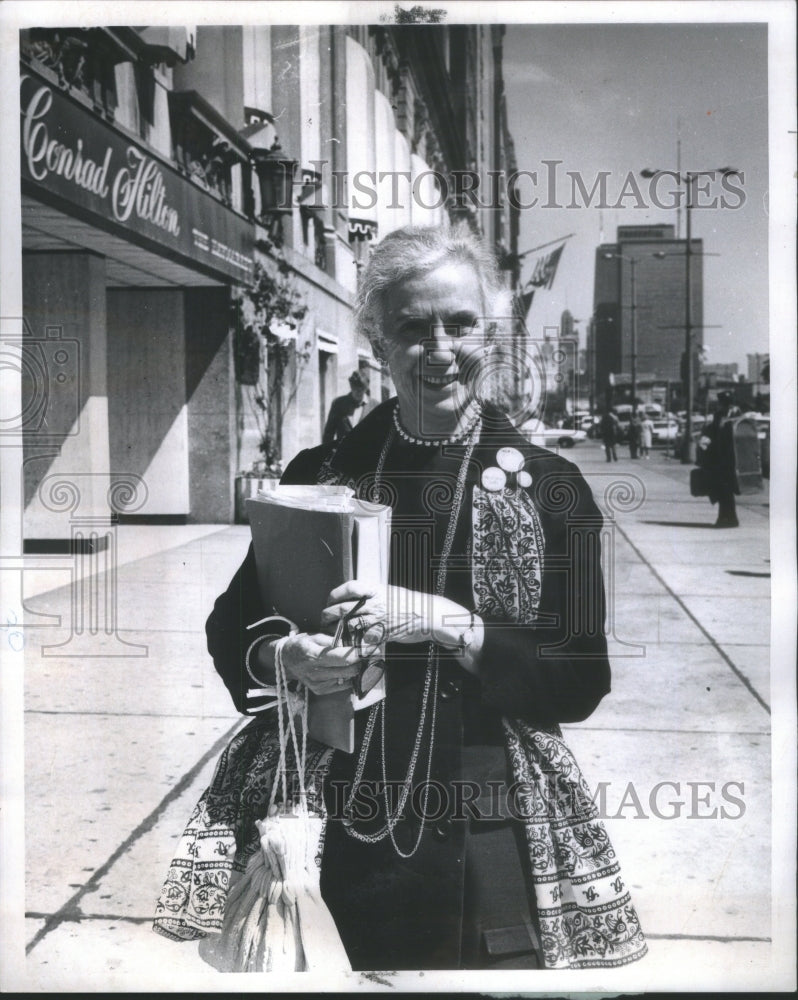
[[608, 97]]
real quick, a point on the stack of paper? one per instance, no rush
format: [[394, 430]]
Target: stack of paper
[[309, 540]]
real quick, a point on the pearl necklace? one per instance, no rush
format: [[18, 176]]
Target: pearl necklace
[[457, 438], [430, 682]]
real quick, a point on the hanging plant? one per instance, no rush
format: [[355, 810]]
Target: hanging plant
[[246, 348], [267, 320]]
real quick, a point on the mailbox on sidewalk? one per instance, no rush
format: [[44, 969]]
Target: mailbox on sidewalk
[[741, 441]]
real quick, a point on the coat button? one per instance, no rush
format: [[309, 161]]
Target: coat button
[[449, 690], [442, 829]]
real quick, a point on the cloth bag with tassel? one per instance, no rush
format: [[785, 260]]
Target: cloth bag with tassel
[[274, 918]]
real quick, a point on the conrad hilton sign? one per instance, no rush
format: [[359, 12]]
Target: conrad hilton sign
[[69, 153]]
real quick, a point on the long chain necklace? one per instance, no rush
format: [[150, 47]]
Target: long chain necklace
[[430, 681]]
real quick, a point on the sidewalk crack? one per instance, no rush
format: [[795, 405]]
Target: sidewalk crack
[[71, 911], [734, 668]]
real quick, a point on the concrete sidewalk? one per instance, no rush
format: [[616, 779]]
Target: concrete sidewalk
[[120, 743], [685, 732]]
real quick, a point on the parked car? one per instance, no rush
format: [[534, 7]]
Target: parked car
[[697, 422], [624, 414], [665, 430], [697, 419], [593, 430], [585, 421], [537, 433], [624, 420]]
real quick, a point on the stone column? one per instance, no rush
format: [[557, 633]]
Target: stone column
[[65, 396], [210, 397], [148, 414]]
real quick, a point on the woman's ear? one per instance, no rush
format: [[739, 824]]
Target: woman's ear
[[378, 349]]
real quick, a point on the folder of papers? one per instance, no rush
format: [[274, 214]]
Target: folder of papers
[[307, 541]]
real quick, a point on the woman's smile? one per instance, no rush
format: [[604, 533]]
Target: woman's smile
[[439, 380]]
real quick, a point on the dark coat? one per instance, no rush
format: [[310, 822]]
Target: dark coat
[[338, 423], [610, 428], [394, 913]]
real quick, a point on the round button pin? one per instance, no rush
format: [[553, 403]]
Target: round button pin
[[510, 459], [493, 479], [524, 479]]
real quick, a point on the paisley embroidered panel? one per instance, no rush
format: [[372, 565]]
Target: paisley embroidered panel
[[507, 554], [221, 834], [586, 915]]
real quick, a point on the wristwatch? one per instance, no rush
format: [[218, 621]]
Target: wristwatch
[[467, 637]]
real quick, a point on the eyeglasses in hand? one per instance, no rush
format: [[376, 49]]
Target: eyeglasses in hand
[[352, 631]]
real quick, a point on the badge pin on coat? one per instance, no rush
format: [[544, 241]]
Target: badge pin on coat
[[508, 472]]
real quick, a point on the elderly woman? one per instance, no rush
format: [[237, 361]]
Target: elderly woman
[[494, 620]]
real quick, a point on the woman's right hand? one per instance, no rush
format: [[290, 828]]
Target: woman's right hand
[[315, 662]]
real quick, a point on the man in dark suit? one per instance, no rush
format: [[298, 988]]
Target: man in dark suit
[[719, 463], [347, 411], [609, 428]]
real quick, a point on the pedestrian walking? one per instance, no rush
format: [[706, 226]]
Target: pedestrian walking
[[610, 428], [646, 435], [634, 436], [347, 411], [719, 463]]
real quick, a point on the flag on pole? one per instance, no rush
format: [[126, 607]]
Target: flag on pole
[[523, 303], [546, 268]]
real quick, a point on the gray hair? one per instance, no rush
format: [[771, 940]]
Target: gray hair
[[405, 253]]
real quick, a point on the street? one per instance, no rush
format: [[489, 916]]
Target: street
[[120, 742]]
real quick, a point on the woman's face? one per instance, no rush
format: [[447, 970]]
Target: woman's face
[[434, 332]]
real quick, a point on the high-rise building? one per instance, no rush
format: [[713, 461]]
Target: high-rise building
[[727, 371], [658, 310], [756, 362]]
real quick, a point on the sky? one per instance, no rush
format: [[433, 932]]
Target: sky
[[609, 98]]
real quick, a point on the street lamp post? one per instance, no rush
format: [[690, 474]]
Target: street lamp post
[[591, 364], [633, 265], [576, 381], [633, 262], [688, 451], [688, 179]]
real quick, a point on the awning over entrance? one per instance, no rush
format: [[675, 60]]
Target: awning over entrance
[[76, 163], [126, 264]]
